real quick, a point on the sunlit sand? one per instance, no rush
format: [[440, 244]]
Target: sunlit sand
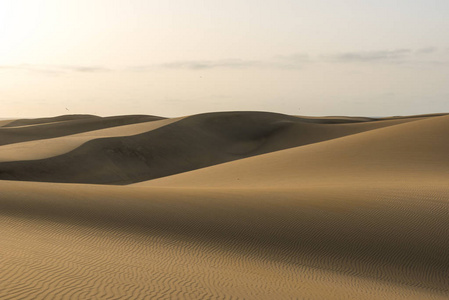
[[226, 205]]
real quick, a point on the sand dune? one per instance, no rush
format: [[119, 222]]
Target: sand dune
[[308, 238], [345, 119], [38, 121], [274, 207], [192, 143], [40, 149], [10, 135], [338, 119], [5, 122], [414, 150]]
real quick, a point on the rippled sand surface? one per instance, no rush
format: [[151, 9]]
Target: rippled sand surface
[[237, 205]]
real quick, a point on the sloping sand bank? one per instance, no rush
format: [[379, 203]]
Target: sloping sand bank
[[337, 241], [258, 206], [191, 143]]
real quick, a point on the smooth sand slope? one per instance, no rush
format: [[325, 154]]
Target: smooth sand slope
[[46, 148], [3, 123], [415, 150], [96, 241], [307, 210], [62, 127], [38, 121], [191, 143]]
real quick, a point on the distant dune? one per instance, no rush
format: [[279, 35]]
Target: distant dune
[[191, 143], [62, 126], [227, 205], [4, 122], [25, 122]]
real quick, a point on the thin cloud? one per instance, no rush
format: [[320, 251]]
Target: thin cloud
[[85, 69], [397, 56], [427, 50], [371, 56], [282, 62], [279, 62], [55, 69], [201, 65], [295, 61]]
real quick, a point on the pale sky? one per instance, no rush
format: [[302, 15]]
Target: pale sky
[[181, 57]]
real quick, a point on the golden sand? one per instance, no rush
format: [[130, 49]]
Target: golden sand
[[225, 206]]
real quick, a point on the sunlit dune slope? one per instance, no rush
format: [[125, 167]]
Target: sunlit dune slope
[[414, 150], [194, 142], [40, 149], [10, 135], [355, 241]]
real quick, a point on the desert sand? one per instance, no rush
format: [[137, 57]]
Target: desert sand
[[227, 205]]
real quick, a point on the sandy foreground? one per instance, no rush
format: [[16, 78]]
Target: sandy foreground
[[231, 205]]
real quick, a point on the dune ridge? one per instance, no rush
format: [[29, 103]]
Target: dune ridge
[[46, 148], [38, 121], [5, 122], [191, 143], [411, 150], [10, 135], [240, 205]]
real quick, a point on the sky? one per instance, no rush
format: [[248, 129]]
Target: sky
[[181, 57]]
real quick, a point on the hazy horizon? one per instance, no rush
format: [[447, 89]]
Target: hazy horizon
[[176, 58], [205, 112]]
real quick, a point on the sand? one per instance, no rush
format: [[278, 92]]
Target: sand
[[3, 122], [191, 143], [237, 205], [47, 148], [61, 127]]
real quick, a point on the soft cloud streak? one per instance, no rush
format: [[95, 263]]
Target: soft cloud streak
[[201, 65], [283, 62], [55, 69], [296, 61], [427, 50], [372, 56]]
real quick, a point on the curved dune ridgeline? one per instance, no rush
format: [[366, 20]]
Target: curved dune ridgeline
[[5, 122], [191, 143], [235, 205], [414, 150], [51, 129], [40, 149], [38, 121]]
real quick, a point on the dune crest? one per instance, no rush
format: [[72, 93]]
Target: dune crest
[[41, 149], [191, 143], [28, 132], [412, 150], [3, 123]]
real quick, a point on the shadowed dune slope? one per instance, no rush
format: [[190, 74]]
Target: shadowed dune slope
[[194, 142], [10, 135], [414, 150], [345, 119], [37, 121], [40, 149], [337, 119], [408, 117], [335, 242], [3, 123]]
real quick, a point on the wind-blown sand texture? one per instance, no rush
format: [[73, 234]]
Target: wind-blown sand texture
[[235, 205]]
